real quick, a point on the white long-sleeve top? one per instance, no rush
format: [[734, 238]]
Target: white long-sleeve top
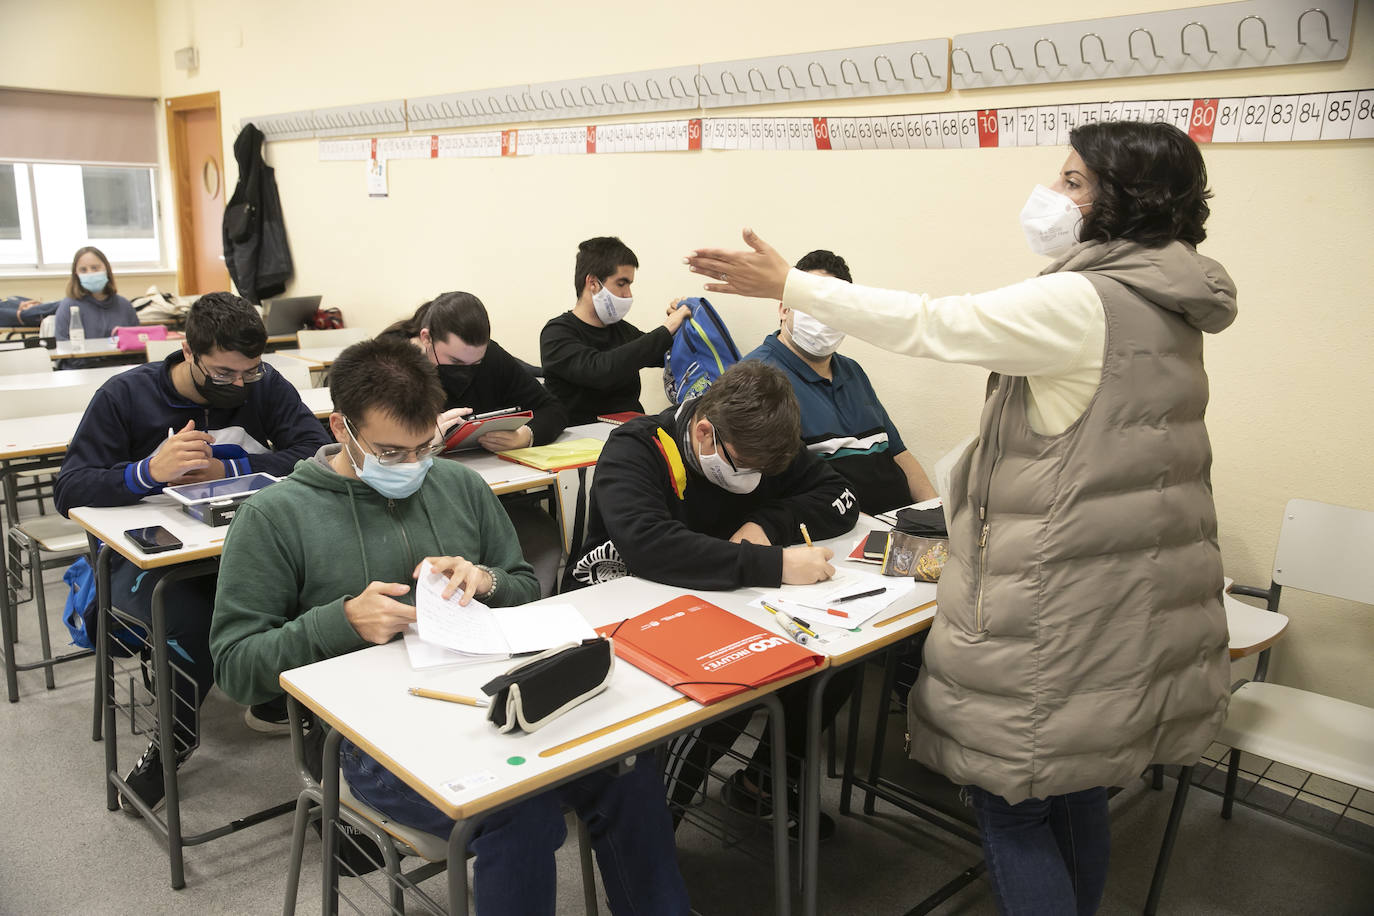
[[1051, 329]]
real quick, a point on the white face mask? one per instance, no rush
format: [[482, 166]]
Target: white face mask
[[1050, 221], [724, 475], [609, 307], [814, 338]]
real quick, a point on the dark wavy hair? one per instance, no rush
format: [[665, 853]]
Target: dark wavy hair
[[388, 375], [1151, 183], [753, 408], [227, 322], [828, 261], [600, 257]]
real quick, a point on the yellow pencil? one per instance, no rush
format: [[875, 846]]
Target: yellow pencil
[[806, 535], [447, 697]]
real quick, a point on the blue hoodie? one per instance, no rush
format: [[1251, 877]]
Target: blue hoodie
[[127, 422]]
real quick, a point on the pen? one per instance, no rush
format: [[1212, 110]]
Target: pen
[[447, 697], [867, 594], [806, 535], [789, 626]]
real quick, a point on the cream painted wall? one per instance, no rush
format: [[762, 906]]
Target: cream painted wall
[[46, 289], [1290, 413], [48, 46]]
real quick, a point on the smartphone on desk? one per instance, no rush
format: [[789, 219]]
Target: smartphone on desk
[[154, 539]]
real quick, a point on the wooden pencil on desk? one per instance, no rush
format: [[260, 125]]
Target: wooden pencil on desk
[[447, 697]]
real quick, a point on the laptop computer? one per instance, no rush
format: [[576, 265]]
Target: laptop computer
[[288, 315]]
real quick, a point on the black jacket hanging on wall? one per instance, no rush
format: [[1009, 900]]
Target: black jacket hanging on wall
[[255, 249]]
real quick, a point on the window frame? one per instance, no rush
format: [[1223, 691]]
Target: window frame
[[40, 264]]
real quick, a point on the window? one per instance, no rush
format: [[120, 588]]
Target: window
[[113, 208]]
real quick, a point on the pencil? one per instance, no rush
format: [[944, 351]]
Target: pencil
[[806, 535], [447, 697]]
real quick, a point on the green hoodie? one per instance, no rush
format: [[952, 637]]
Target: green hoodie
[[301, 548]]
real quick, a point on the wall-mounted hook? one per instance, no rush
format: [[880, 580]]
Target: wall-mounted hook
[[967, 56], [698, 79], [552, 102], [1130, 46], [512, 103], [527, 102], [608, 94], [750, 75], [1102, 45], [1183, 38], [730, 73], [1053, 47], [464, 109], [650, 85], [477, 107], [911, 62], [1325, 18], [877, 71], [857, 75], [447, 110], [992, 56], [1263, 25], [812, 77], [589, 97], [628, 86], [565, 95], [782, 83], [677, 79]]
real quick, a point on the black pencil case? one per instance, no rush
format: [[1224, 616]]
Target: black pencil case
[[542, 688]]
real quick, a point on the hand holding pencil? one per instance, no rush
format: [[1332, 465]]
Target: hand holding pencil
[[806, 565]]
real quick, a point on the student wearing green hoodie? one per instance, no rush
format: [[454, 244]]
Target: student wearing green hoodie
[[321, 563]]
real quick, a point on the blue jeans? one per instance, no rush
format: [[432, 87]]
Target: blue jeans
[[1046, 856], [514, 870]]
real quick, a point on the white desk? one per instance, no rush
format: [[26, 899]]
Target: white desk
[[321, 357], [94, 347], [279, 357], [61, 379], [454, 758], [318, 400]]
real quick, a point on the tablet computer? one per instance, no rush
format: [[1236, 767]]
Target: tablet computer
[[238, 488]]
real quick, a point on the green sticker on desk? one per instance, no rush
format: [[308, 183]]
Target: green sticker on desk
[[515, 761]]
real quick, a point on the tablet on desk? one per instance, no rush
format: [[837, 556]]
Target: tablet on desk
[[235, 488], [465, 434]]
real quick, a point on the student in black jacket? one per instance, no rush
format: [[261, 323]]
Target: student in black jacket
[[212, 410], [709, 495], [477, 374], [590, 354]]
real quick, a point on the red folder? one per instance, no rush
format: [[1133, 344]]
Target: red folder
[[705, 651], [616, 419]]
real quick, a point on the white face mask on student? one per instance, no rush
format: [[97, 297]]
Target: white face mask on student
[[717, 469], [1051, 221], [814, 338], [609, 307]]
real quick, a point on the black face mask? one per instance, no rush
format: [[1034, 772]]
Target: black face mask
[[456, 379], [220, 396]]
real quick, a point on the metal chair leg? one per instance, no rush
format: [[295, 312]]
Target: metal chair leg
[[1232, 771], [1166, 848], [584, 853], [875, 763], [304, 803], [1156, 777], [851, 741], [41, 600]]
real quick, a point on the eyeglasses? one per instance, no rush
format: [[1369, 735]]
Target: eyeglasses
[[721, 450], [389, 456], [230, 376]]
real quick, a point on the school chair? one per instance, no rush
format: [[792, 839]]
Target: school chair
[[158, 350], [394, 840], [1323, 549], [31, 359], [334, 337]]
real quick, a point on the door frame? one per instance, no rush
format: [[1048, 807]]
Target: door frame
[[182, 176]]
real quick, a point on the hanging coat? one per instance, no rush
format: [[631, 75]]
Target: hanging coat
[[255, 249]]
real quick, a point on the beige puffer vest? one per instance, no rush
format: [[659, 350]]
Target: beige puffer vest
[[1080, 635]]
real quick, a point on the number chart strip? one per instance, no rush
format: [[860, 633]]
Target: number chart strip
[[1255, 119]]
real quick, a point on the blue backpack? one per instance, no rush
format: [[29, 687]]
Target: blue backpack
[[701, 352]]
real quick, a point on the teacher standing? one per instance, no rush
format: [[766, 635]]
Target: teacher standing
[[1080, 635]]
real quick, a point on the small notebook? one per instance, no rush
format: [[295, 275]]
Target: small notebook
[[575, 453], [616, 419]]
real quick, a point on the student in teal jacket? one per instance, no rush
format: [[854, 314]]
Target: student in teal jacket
[[322, 564]]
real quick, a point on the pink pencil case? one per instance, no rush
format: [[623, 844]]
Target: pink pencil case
[[137, 338]]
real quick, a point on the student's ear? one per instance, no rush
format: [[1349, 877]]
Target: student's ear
[[186, 350], [336, 426], [591, 283], [701, 430], [782, 313]]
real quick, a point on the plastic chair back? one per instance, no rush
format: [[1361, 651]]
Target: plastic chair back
[[1326, 549]]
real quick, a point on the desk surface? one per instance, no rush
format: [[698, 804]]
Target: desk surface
[[453, 757], [198, 539], [299, 357], [324, 356], [19, 330], [97, 375], [24, 437], [96, 346]]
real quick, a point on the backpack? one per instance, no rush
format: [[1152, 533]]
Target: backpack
[[326, 319], [701, 352], [80, 613]]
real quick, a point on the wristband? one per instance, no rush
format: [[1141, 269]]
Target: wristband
[[487, 595]]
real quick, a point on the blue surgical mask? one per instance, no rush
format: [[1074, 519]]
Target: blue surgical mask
[[394, 481], [94, 283]]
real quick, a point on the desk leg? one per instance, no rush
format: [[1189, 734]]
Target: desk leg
[[8, 633], [782, 886], [458, 865], [329, 816], [166, 730], [105, 672], [811, 792]]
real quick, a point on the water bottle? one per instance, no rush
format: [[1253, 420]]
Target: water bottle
[[74, 330]]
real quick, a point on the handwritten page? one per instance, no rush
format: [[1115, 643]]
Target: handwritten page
[[819, 603], [470, 629]]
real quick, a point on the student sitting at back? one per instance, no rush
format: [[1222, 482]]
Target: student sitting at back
[[709, 495], [477, 374], [591, 356], [21, 311], [213, 409], [290, 595], [91, 291], [843, 422]]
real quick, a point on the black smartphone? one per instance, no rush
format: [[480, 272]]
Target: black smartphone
[[154, 539]]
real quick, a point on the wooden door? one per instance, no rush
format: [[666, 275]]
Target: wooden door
[[196, 150]]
